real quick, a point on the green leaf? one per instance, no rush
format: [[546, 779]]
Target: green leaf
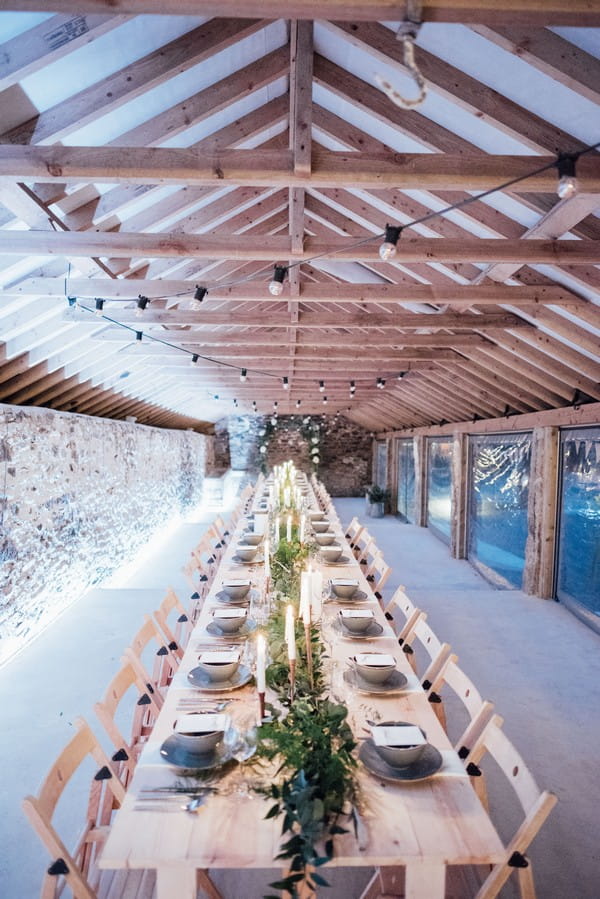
[[273, 812], [318, 879]]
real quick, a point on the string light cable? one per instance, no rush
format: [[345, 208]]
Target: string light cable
[[565, 163]]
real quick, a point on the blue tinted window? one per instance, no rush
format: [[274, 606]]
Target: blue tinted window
[[499, 493], [578, 582], [439, 486], [381, 465], [406, 480]]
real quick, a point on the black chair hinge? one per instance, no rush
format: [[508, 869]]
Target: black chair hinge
[[150, 688], [370, 578], [473, 770], [182, 618], [195, 595], [144, 699], [226, 533], [163, 651], [363, 561], [426, 684], [389, 617], [120, 756], [518, 861], [103, 774], [203, 579], [173, 646], [408, 650], [378, 594], [435, 698], [58, 867], [463, 752]]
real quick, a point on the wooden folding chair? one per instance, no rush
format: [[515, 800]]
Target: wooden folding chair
[[378, 572], [535, 804], [421, 637], [164, 662], [353, 532], [142, 713], [177, 632]]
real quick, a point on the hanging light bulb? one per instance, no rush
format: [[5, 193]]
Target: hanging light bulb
[[99, 308], [70, 314], [298, 403], [243, 375], [400, 375], [324, 400], [142, 302], [321, 386], [199, 295], [387, 250], [139, 336], [194, 359], [273, 420], [352, 386], [567, 180], [276, 285], [285, 382]]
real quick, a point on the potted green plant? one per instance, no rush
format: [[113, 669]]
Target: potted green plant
[[377, 498]]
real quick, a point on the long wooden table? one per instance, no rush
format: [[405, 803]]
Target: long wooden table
[[421, 826]]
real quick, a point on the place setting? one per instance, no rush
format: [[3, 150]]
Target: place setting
[[398, 751], [228, 623], [331, 553], [374, 672], [219, 670], [235, 591], [248, 554], [358, 624], [344, 590]]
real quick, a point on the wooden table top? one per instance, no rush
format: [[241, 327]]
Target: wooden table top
[[436, 821]]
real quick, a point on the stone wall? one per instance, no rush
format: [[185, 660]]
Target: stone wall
[[345, 451], [78, 497]]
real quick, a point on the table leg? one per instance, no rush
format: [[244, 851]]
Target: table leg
[[180, 882], [425, 880]]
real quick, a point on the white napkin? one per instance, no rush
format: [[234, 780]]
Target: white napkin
[[219, 656], [375, 659], [356, 613], [236, 582], [229, 613], [200, 724], [344, 582], [408, 735]]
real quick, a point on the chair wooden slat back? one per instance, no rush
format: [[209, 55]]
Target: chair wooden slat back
[[353, 531], [378, 574], [164, 662], [143, 715], [436, 651], [75, 868], [177, 636], [536, 806]]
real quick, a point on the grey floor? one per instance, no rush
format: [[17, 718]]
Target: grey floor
[[538, 663]]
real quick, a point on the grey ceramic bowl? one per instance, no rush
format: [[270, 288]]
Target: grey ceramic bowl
[[219, 671], [401, 756], [331, 553], [374, 674], [316, 515], [229, 624], [320, 526], [245, 552], [358, 624], [253, 539], [344, 588], [236, 589], [200, 743], [325, 539]]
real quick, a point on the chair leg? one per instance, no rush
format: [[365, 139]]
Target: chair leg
[[526, 885], [373, 888]]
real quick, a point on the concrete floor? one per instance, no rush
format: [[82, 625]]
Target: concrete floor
[[537, 662]]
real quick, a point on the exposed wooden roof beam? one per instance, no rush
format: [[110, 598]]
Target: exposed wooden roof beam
[[537, 12], [50, 41], [271, 249], [159, 165], [452, 293]]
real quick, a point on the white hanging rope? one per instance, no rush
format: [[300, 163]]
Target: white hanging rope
[[407, 33]]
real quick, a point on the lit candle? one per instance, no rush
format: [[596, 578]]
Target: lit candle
[[277, 525], [302, 526], [290, 634], [260, 663], [267, 560], [286, 496], [288, 535], [304, 594]]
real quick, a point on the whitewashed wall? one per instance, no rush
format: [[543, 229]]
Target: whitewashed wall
[[78, 496]]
